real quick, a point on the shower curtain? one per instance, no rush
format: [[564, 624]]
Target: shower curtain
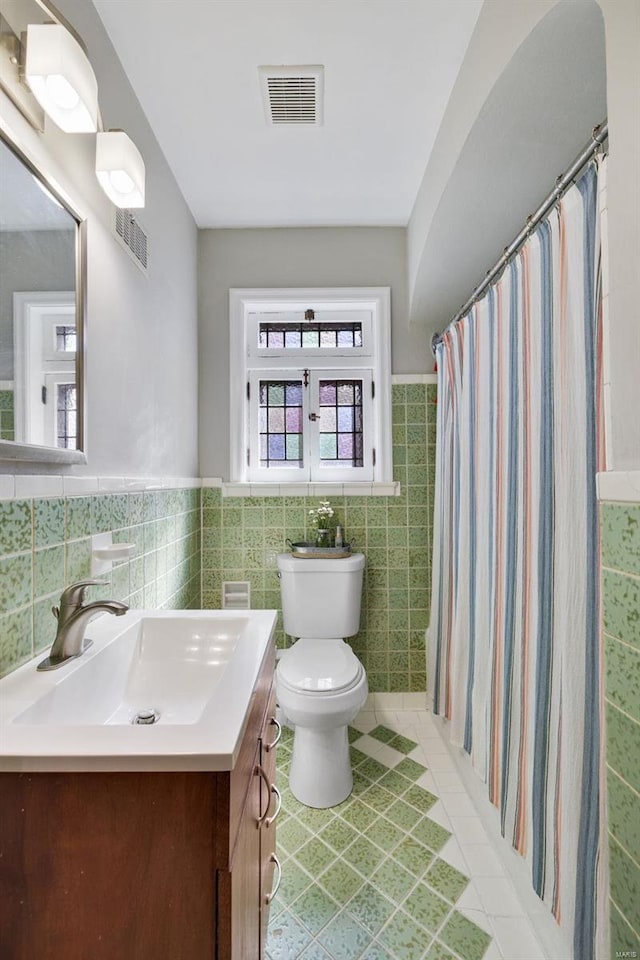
[[514, 657]]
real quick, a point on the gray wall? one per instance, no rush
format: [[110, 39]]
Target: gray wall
[[31, 260], [291, 257], [141, 331]]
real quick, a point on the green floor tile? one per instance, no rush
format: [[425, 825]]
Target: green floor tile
[[405, 938], [315, 818], [464, 937], [446, 880], [421, 799], [361, 881], [376, 952], [315, 856], [315, 952], [392, 880], [403, 744], [438, 952], [395, 783], [373, 768], [427, 907], [403, 815], [292, 835], [344, 938], [378, 798], [410, 769], [359, 816], [431, 834], [340, 881], [353, 734], [294, 882], [383, 734], [339, 834], [413, 856], [384, 834], [287, 938], [314, 909], [371, 908], [363, 855]]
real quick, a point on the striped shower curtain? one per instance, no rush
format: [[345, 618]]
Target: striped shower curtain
[[514, 656]]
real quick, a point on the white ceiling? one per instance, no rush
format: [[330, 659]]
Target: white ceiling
[[389, 68]]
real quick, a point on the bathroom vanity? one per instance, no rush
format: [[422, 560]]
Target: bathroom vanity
[[150, 856]]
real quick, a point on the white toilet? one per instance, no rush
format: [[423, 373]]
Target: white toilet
[[320, 683]]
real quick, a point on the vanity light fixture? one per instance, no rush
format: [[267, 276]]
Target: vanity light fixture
[[120, 169], [61, 77]]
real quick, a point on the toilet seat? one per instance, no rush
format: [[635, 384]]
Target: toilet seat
[[319, 667]]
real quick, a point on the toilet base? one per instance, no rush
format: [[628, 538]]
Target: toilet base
[[320, 774]]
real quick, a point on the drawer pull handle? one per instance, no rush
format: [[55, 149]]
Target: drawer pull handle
[[270, 746], [269, 897], [265, 779], [269, 820]]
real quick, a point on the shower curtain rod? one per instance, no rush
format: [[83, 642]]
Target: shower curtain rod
[[598, 136]]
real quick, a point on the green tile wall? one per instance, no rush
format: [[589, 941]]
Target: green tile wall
[[393, 532], [6, 415], [45, 544], [620, 527]]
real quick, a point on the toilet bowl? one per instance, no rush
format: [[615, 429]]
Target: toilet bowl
[[320, 683]]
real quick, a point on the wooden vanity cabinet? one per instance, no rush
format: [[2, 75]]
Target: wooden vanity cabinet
[[170, 865]]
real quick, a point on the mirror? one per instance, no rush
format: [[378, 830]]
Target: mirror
[[41, 316]]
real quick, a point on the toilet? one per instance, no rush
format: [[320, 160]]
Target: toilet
[[320, 683]]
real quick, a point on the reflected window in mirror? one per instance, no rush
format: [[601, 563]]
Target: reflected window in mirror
[[41, 314]]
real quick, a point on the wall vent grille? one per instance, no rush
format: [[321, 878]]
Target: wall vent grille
[[293, 95], [132, 237]]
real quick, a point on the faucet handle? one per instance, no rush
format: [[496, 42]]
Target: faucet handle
[[74, 594]]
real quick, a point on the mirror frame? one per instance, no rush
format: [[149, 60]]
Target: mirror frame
[[13, 449]]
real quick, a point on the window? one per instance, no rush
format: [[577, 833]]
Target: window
[[310, 385]]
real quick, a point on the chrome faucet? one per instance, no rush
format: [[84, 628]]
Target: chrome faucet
[[73, 615]]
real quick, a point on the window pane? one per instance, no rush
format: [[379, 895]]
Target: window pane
[[276, 394], [294, 394], [327, 393], [276, 420], [65, 338], [66, 415], [280, 423], [328, 446], [341, 423], [309, 335]]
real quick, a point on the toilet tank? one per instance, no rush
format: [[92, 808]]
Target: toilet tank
[[321, 598]]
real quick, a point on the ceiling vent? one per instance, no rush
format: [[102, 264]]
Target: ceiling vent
[[132, 237], [293, 95]]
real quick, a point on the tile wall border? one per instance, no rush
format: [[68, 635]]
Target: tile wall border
[[26, 486], [621, 485]]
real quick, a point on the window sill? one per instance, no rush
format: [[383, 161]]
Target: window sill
[[391, 489]]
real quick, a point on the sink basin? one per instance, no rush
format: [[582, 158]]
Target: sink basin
[[191, 672]]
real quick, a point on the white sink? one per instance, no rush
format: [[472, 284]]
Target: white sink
[[194, 670]]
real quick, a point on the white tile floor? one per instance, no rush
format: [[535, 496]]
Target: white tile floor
[[490, 900]]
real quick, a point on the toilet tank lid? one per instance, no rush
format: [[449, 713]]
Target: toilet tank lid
[[319, 666], [296, 564]]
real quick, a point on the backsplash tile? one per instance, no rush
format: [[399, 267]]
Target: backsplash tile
[[241, 535], [620, 527], [45, 544]]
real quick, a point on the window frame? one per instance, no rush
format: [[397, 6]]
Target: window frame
[[246, 358]]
